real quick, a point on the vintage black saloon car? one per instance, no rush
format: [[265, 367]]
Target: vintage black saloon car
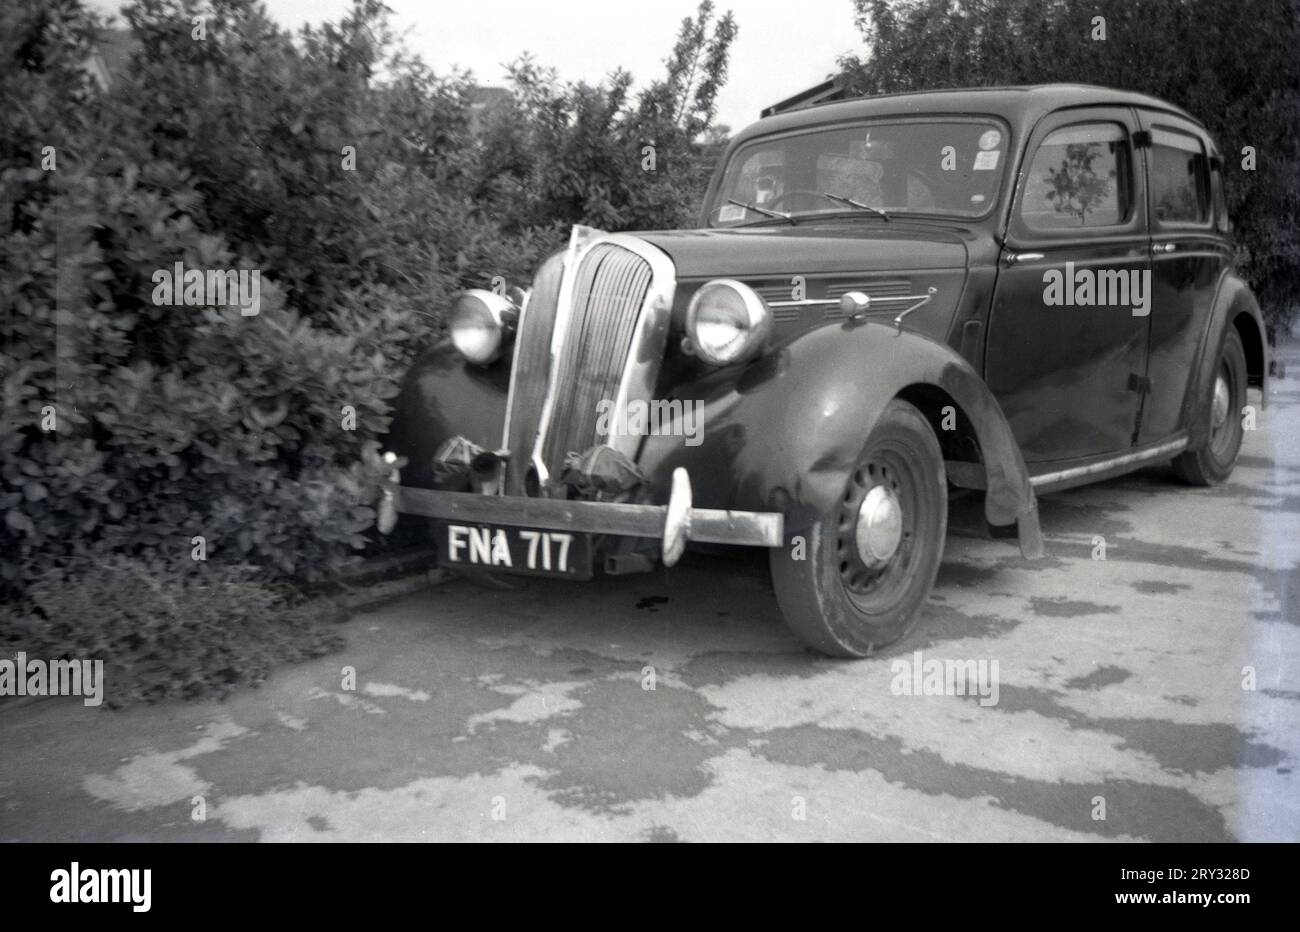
[[1008, 290]]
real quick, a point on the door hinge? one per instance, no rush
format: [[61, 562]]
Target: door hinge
[[1142, 139]]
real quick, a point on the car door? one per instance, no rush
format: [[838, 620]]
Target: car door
[[1066, 352], [1188, 254]]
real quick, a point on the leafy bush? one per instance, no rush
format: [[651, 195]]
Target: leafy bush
[[137, 438], [561, 154], [174, 422], [162, 636]]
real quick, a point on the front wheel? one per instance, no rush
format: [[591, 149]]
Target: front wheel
[[871, 560], [1213, 462]]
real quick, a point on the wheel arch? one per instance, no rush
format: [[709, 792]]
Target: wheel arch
[[1234, 306], [960, 441], [979, 450]]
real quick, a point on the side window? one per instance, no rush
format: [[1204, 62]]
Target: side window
[[1180, 190], [1079, 178]]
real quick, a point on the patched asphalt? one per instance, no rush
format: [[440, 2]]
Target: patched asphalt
[[525, 715]]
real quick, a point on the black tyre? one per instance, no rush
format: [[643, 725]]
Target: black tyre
[[1212, 463], [871, 561]]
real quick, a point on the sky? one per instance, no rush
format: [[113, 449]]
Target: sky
[[783, 47]]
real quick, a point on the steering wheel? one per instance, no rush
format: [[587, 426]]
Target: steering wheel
[[797, 192]]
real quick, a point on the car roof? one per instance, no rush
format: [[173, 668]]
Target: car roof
[[1021, 106]]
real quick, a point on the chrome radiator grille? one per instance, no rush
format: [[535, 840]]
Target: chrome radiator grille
[[599, 324], [608, 292]]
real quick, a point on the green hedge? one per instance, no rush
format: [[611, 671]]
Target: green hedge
[[135, 437]]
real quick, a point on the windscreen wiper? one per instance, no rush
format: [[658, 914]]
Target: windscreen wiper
[[839, 198], [780, 215]]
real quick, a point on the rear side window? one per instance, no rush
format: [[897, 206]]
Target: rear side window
[[1079, 178], [1180, 188]]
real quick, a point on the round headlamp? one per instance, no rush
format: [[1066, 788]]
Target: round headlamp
[[481, 324], [727, 322]]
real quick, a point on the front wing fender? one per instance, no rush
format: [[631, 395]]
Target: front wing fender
[[784, 433]]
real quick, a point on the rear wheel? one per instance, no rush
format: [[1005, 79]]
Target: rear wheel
[[871, 560], [1213, 462]]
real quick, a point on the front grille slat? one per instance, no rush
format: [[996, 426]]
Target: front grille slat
[[609, 292]]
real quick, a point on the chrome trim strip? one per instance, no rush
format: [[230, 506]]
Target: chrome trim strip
[[581, 238], [514, 367], [807, 302], [1160, 451]]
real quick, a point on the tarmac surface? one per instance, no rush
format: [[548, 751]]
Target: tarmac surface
[[1152, 695]]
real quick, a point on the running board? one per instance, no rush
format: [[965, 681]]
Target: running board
[[1106, 468]]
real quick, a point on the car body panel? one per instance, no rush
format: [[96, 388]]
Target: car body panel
[[1187, 261], [836, 247], [1066, 376]]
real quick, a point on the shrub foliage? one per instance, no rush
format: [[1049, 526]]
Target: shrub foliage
[[365, 190]]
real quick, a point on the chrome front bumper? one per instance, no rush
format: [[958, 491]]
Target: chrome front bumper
[[674, 523]]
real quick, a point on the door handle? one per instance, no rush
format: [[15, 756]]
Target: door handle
[[1012, 258], [1163, 247]]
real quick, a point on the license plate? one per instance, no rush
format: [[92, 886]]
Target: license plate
[[514, 549]]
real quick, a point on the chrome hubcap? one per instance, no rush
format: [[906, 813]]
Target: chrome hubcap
[[1219, 406], [879, 528]]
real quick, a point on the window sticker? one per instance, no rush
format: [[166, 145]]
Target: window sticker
[[730, 213], [990, 139], [987, 161]]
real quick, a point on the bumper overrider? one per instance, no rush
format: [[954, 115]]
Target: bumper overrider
[[673, 524]]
